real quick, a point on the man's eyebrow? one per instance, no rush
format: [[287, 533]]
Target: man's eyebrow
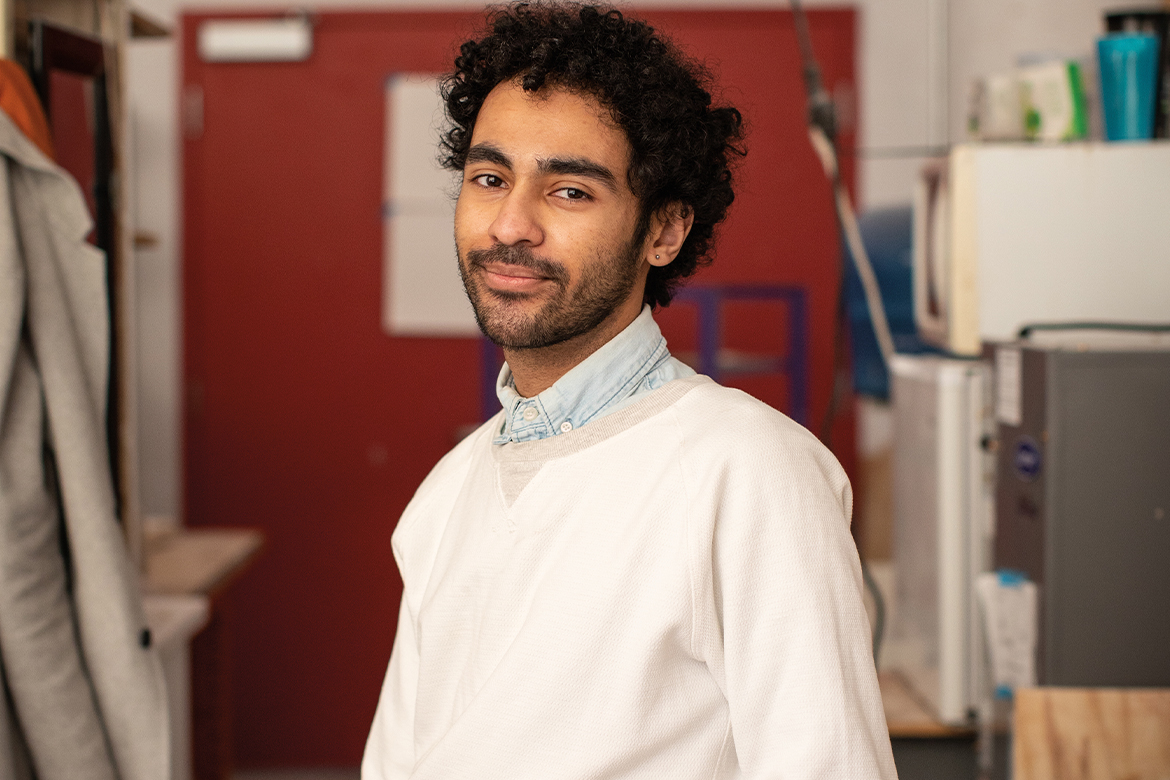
[[487, 153], [554, 166], [579, 166]]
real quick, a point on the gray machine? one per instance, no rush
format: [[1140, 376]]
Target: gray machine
[[1083, 502]]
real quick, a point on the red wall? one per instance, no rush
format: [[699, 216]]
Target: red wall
[[303, 419]]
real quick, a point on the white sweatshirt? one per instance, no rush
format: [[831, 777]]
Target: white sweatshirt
[[669, 592]]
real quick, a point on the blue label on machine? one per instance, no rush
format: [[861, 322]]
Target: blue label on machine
[[1011, 578], [1026, 458]]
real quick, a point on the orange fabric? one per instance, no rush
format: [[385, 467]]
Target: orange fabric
[[19, 100]]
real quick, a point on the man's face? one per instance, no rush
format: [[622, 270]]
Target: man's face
[[545, 222]]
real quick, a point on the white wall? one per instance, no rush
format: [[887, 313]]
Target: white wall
[[916, 60], [152, 79], [988, 36]]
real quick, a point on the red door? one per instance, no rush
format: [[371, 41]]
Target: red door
[[304, 419]]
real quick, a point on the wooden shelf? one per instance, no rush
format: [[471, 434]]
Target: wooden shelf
[[202, 562], [198, 560], [142, 26], [908, 716]]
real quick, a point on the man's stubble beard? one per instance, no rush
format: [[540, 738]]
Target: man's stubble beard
[[605, 284]]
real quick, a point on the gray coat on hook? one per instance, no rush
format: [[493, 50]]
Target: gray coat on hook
[[83, 692]]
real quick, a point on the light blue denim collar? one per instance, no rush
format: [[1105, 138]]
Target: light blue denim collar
[[633, 362]]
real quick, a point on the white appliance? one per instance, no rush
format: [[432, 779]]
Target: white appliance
[[943, 502], [1008, 235]]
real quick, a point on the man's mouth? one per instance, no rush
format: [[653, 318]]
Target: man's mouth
[[514, 270], [506, 277]]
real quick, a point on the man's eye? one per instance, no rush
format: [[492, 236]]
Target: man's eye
[[572, 193], [488, 180]]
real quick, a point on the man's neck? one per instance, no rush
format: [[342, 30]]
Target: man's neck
[[536, 370]]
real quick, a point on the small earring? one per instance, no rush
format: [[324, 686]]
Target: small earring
[[656, 257]]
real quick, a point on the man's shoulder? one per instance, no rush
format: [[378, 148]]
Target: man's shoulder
[[715, 414], [439, 489], [734, 443], [458, 458], [726, 429], [452, 468]]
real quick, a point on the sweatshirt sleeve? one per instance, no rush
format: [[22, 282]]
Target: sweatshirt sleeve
[[779, 613], [389, 751]]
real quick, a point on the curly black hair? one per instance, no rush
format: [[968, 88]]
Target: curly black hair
[[682, 147]]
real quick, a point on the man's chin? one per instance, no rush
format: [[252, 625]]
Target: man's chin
[[507, 319], [528, 332]]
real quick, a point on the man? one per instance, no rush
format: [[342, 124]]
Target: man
[[631, 572]]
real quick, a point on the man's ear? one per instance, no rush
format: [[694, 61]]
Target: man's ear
[[669, 228]]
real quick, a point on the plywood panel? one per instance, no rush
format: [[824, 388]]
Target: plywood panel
[[1092, 734]]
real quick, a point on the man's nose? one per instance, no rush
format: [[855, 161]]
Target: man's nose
[[518, 220]]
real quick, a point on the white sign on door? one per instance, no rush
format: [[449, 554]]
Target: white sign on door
[[422, 294]]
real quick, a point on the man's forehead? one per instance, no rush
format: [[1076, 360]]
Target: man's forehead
[[550, 123]]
